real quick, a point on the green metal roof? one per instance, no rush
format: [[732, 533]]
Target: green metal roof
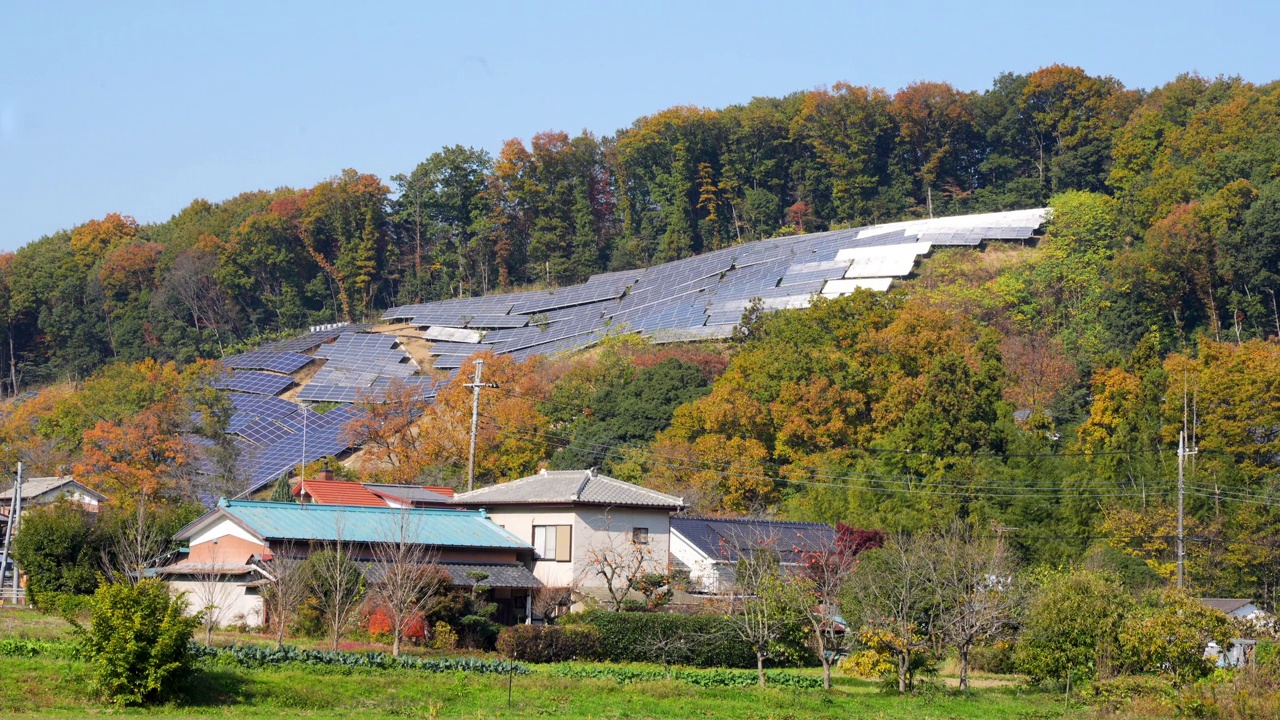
[[439, 527]]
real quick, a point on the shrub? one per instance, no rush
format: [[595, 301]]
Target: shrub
[[550, 643], [694, 640], [996, 657], [57, 549], [137, 642], [1072, 627], [443, 637], [67, 605], [1168, 632]]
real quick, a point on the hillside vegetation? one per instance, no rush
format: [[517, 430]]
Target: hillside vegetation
[[1037, 390]]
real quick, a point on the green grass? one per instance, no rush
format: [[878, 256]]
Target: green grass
[[49, 688]]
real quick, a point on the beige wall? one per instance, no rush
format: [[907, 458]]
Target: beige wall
[[593, 527], [241, 604]]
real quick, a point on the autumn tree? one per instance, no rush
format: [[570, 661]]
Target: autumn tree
[[511, 437], [389, 431]]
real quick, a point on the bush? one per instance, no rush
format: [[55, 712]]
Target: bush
[[694, 640], [67, 605], [1117, 693], [550, 643], [57, 549], [137, 643], [443, 637], [996, 658]]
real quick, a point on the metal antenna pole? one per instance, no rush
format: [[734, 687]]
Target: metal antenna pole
[[475, 419], [1181, 543]]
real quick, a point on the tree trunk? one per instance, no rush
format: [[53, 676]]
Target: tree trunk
[[760, 668], [964, 668], [826, 672], [395, 645], [904, 662]]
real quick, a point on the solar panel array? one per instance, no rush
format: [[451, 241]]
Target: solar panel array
[[253, 381], [360, 366], [281, 362], [702, 296]]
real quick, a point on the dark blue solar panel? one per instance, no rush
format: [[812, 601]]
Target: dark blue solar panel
[[281, 362], [252, 381]]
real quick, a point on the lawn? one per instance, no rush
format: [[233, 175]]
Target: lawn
[[47, 687]]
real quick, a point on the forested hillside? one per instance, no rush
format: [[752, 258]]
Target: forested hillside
[[1036, 390], [1183, 162]]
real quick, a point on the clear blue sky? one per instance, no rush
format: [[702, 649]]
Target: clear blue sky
[[141, 107]]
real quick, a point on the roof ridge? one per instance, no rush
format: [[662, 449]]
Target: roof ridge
[[310, 507], [751, 520]]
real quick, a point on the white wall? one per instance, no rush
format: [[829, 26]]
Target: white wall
[[221, 529], [706, 574], [592, 528]]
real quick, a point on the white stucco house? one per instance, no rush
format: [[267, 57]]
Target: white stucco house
[[572, 516]]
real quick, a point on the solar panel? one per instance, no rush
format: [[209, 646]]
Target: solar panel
[[264, 432], [252, 381], [281, 362]]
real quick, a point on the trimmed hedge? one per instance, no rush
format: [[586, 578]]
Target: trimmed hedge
[[699, 640], [702, 678], [550, 643], [255, 656]]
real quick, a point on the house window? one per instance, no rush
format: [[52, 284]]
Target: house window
[[640, 536], [552, 542]]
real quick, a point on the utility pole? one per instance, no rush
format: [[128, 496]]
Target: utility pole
[[1182, 544], [475, 419]]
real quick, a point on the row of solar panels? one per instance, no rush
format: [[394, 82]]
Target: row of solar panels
[[702, 296]]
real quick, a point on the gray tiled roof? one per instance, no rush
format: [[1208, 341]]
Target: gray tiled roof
[[412, 493], [35, 487], [728, 539], [1226, 605], [500, 576], [576, 487]]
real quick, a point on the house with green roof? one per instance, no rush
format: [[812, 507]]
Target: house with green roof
[[235, 542]]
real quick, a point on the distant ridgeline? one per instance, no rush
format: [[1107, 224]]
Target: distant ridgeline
[[701, 297]]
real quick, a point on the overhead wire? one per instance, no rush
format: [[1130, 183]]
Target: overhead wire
[[903, 451], [867, 481]]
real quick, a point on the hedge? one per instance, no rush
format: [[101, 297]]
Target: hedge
[[692, 640], [550, 643]]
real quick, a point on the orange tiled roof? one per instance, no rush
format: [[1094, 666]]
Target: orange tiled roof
[[338, 492]]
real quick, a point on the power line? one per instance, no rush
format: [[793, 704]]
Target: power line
[[899, 451], [935, 486], [896, 483]]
